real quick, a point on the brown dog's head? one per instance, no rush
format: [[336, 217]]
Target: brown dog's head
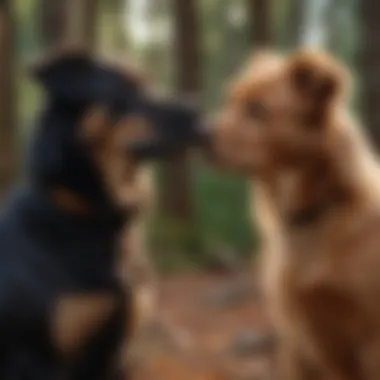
[[278, 112]]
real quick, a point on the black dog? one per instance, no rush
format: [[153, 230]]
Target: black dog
[[63, 310]]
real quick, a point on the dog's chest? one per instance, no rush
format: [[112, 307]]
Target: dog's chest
[[87, 297], [87, 308], [314, 290], [67, 276]]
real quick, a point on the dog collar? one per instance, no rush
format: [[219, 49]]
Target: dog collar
[[312, 214]]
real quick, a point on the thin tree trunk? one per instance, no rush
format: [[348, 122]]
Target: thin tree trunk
[[338, 25], [67, 21], [260, 22], [52, 21], [295, 21], [120, 35], [90, 17], [8, 143], [82, 21], [370, 63], [178, 200], [157, 56]]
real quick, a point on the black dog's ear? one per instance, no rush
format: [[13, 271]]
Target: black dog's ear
[[66, 74]]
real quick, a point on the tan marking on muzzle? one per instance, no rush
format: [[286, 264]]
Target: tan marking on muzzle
[[134, 129], [108, 144]]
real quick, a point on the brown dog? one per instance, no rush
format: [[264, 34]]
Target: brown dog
[[317, 198]]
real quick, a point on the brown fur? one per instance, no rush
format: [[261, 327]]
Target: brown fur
[[76, 318], [130, 186], [286, 126]]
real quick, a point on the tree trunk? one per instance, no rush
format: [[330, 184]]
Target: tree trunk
[[120, 39], [89, 19], [338, 25], [52, 22], [318, 23], [72, 21], [177, 199], [296, 22], [157, 55], [8, 143], [370, 63], [260, 22]]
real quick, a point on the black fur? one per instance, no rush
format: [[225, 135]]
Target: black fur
[[46, 253]]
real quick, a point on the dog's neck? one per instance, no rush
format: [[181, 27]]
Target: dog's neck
[[59, 159], [304, 195]]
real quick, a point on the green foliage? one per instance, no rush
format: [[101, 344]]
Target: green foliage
[[221, 221], [26, 12], [225, 46], [222, 210]]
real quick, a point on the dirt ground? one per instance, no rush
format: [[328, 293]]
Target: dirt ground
[[209, 327]]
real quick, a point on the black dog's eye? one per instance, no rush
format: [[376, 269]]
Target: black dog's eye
[[257, 110]]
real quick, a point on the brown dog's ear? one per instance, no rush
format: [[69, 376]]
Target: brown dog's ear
[[318, 79]]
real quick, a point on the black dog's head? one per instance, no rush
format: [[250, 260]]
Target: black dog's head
[[99, 123]]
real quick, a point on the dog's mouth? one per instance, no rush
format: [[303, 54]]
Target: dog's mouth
[[161, 148], [177, 127]]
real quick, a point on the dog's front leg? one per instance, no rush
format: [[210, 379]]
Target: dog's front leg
[[369, 357], [138, 278]]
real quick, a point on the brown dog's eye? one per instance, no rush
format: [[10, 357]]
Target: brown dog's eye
[[257, 110]]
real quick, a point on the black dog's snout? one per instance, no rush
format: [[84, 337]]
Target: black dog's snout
[[176, 126]]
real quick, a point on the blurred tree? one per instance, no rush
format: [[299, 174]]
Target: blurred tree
[[8, 147], [314, 31], [67, 21], [120, 36], [158, 47], [370, 63], [260, 22], [296, 21], [320, 22], [52, 21], [89, 21], [111, 31], [336, 19], [177, 201]]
